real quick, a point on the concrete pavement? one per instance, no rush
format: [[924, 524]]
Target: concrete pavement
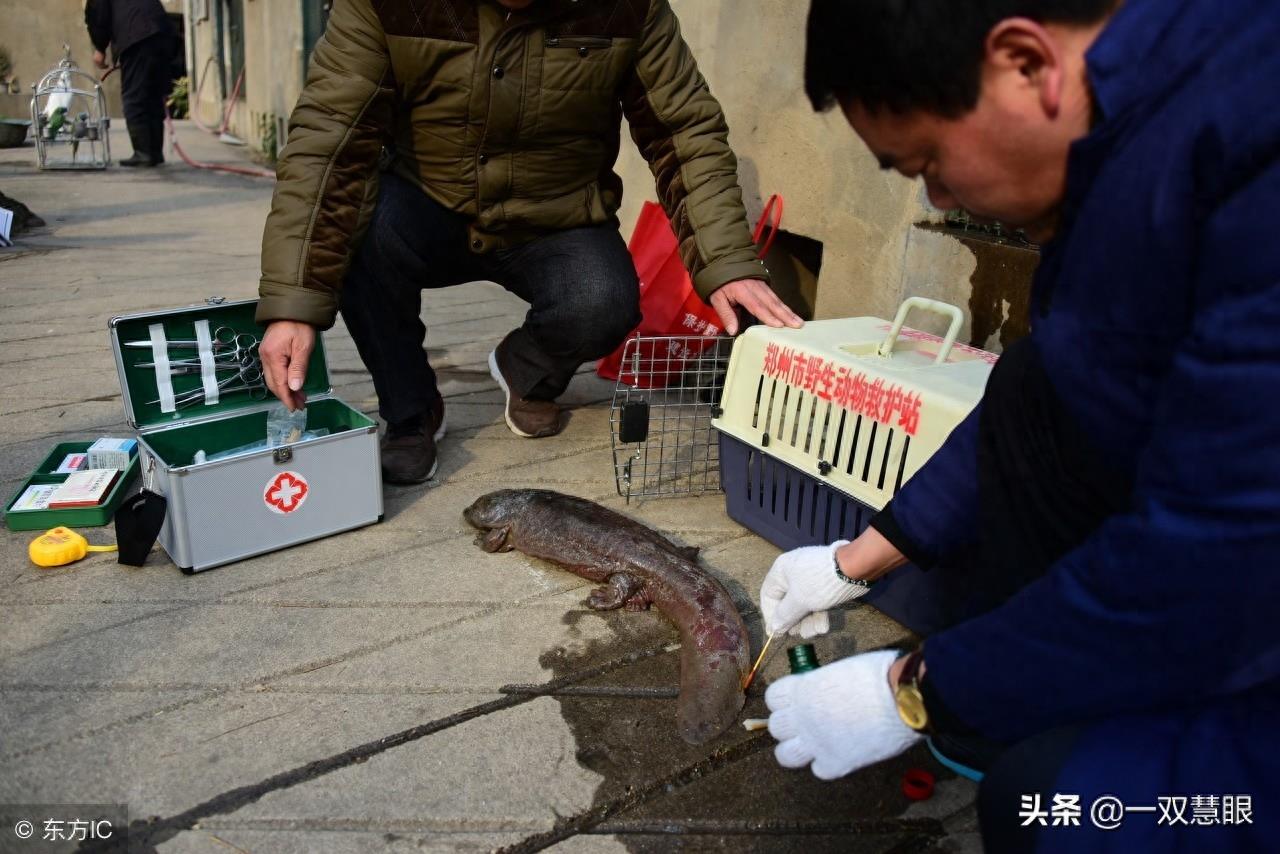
[[392, 688]]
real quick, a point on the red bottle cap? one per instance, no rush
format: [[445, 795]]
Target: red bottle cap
[[917, 784]]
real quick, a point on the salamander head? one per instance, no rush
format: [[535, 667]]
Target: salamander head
[[496, 509]]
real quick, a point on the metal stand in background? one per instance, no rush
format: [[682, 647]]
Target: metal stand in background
[[667, 392], [69, 119]]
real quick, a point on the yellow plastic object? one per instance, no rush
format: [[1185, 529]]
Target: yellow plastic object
[[859, 403], [60, 546]]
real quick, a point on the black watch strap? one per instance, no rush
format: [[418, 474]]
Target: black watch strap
[[855, 582]]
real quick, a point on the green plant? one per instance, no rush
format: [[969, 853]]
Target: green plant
[[8, 83], [178, 100], [268, 143]]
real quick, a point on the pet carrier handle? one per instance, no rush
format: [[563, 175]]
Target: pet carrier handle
[[771, 216], [925, 304]]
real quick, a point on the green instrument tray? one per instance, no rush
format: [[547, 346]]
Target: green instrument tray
[[71, 517], [176, 446]]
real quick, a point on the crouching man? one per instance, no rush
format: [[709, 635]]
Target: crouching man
[[502, 119]]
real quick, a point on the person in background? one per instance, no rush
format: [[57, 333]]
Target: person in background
[[1114, 500], [476, 141], [140, 37]]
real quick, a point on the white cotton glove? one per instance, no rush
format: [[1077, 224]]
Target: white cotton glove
[[840, 717], [799, 589]]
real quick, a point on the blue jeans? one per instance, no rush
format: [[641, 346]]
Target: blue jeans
[[580, 285]]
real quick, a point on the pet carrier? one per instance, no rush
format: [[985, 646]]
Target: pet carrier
[[69, 119], [820, 426]]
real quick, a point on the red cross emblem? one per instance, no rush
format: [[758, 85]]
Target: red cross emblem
[[285, 492]]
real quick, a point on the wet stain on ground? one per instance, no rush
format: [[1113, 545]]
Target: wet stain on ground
[[660, 794]]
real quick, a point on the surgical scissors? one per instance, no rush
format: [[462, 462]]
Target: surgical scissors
[[233, 351], [225, 362], [224, 338]]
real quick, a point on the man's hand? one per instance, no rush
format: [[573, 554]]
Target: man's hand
[[100, 59], [841, 717], [800, 588], [802, 584], [285, 352], [758, 299]]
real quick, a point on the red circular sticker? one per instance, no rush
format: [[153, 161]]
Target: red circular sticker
[[285, 492]]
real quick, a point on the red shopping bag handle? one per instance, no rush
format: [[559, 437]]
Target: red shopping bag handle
[[771, 216]]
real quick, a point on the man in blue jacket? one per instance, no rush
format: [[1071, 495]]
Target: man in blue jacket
[[1115, 499]]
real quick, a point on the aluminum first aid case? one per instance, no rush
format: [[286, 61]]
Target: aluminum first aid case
[[253, 503]]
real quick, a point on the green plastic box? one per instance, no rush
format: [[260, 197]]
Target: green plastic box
[[71, 517]]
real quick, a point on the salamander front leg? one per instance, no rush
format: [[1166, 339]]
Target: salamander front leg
[[619, 589]]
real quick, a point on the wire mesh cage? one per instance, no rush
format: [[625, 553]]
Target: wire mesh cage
[[667, 392], [69, 118]]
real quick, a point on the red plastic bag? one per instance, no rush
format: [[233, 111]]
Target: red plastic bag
[[669, 306]]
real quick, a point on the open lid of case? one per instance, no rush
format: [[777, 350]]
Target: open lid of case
[[131, 342]]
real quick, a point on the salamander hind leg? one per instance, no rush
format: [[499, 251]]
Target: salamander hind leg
[[619, 590]]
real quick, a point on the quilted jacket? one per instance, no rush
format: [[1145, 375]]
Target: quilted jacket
[[511, 119]]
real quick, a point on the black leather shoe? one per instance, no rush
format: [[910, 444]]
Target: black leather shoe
[[409, 448], [408, 456], [138, 159], [140, 138]]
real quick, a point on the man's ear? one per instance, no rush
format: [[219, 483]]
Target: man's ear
[[1023, 46]]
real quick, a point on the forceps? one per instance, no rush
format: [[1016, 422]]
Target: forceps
[[247, 379], [224, 338], [232, 361]]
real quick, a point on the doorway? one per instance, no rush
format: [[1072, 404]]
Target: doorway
[[315, 15], [229, 38]]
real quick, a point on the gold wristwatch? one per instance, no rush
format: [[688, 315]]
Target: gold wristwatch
[[908, 696]]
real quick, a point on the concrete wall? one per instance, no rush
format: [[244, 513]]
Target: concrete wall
[[202, 71], [751, 52], [274, 55], [34, 32], [274, 73]]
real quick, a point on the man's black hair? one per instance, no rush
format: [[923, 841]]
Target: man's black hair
[[908, 55]]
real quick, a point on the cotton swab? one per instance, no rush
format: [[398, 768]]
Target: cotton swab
[[746, 683]]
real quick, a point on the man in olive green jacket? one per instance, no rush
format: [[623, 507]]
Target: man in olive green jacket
[[444, 141]]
